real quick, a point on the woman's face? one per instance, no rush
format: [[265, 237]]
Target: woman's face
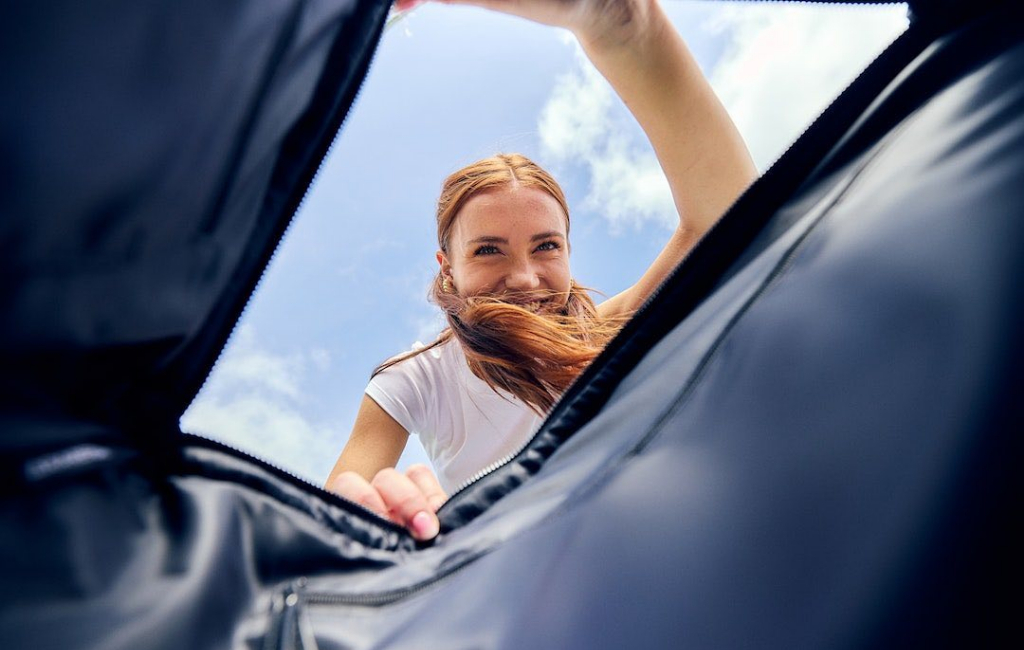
[[510, 243]]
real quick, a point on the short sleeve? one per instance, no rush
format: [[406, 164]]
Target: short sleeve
[[401, 391]]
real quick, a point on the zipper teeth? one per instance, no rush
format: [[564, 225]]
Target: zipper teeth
[[270, 262], [644, 307], [298, 207], [498, 464], [299, 481]]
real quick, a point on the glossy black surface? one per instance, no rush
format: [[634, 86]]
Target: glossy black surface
[[808, 438]]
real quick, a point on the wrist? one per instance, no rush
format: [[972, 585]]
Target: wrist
[[622, 25]]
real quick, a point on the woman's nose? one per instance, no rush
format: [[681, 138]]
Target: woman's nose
[[522, 277]]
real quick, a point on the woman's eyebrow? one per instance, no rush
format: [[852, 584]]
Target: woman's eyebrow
[[547, 235], [489, 239]]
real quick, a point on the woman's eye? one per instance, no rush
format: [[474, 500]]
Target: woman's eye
[[549, 246], [486, 250]]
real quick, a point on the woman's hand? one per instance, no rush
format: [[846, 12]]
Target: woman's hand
[[410, 500], [608, 22]]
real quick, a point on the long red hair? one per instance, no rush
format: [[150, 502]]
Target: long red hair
[[533, 356]]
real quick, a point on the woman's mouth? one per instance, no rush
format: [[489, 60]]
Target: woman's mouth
[[530, 305]]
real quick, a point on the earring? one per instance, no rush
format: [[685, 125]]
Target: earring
[[572, 283], [446, 285]]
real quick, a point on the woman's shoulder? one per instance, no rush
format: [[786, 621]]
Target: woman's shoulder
[[430, 359]]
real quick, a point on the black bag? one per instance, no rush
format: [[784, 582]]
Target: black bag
[[804, 439]]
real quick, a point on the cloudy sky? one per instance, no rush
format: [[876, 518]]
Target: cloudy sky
[[347, 288]]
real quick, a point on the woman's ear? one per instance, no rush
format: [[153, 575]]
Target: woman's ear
[[446, 267]]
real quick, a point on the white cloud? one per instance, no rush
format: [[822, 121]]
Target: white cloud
[[257, 401], [583, 123], [254, 401], [574, 121], [781, 67], [785, 63]]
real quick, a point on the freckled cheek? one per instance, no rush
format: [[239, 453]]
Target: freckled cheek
[[556, 278], [558, 274], [477, 280]]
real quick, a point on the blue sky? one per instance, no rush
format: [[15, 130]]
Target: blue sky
[[347, 287]]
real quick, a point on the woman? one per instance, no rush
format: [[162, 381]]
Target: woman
[[519, 327]]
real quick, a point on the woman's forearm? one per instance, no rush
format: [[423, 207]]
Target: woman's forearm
[[700, 150]]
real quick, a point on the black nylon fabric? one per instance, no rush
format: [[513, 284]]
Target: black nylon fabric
[[808, 438], [153, 154], [823, 454]]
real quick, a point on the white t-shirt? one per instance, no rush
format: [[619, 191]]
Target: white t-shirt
[[463, 423]]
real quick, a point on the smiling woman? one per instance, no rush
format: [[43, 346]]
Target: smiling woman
[[505, 287], [519, 329]]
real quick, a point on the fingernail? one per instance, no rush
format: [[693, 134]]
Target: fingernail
[[407, 5], [425, 525]]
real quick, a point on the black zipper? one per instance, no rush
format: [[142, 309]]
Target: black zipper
[[290, 628], [291, 601]]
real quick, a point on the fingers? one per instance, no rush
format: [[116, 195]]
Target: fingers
[[425, 480], [357, 489], [406, 503], [409, 499]]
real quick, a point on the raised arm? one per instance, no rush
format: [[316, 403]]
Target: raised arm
[[701, 152], [638, 50]]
